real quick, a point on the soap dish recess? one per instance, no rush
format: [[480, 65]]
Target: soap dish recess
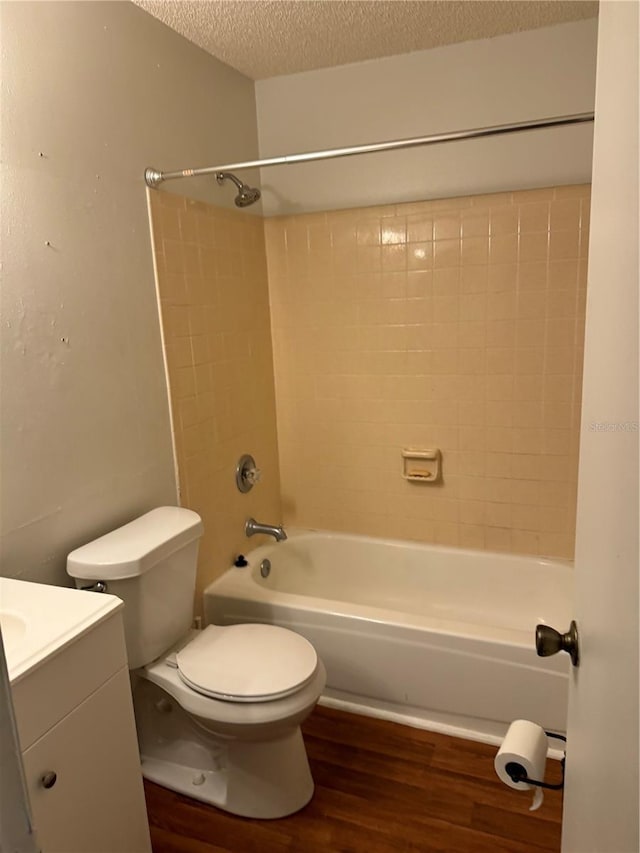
[[422, 466]]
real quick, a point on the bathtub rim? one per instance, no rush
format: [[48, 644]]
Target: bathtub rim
[[237, 581], [295, 533]]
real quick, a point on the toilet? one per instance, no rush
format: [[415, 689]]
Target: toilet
[[218, 710]]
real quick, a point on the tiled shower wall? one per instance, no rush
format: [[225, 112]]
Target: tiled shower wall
[[212, 280], [455, 324]]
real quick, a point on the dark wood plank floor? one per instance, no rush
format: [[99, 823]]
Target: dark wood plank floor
[[380, 788]]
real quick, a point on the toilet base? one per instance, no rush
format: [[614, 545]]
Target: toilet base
[[252, 778]]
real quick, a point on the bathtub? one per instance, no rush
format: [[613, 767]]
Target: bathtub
[[435, 637]]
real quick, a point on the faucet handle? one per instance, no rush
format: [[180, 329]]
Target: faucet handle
[[247, 473], [252, 475]]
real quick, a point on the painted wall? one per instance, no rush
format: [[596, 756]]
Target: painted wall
[[511, 78], [212, 282], [92, 94], [455, 324]]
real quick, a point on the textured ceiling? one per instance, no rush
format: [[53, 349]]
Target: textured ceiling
[[266, 38]]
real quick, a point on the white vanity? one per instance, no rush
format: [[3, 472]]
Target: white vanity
[[70, 686]]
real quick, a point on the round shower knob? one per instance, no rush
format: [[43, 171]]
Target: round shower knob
[[550, 642], [247, 473]]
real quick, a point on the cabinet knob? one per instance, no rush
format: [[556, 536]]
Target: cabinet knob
[[48, 779]]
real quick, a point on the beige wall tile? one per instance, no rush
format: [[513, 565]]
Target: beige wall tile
[[215, 313], [503, 248], [504, 219], [534, 246], [472, 536], [534, 217], [454, 323], [446, 227], [531, 196]]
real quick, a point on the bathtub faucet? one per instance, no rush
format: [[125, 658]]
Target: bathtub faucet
[[252, 526]]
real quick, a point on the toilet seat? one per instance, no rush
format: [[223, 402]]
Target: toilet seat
[[247, 663], [227, 717]]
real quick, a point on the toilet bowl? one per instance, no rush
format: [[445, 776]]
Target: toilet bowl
[[218, 711], [250, 757]]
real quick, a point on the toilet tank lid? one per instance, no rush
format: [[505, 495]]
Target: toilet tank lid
[[136, 547]]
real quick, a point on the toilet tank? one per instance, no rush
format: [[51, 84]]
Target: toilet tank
[[150, 564]]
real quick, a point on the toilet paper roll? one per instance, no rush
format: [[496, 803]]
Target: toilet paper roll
[[525, 744]]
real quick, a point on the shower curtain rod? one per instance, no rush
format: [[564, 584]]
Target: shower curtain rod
[[154, 178]]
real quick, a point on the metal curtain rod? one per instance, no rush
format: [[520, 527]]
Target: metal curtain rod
[[154, 178]]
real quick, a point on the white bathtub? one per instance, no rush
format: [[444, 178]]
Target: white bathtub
[[430, 636]]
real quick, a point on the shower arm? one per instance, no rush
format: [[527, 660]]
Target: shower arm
[[154, 178]]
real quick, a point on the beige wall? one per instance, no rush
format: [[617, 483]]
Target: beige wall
[[455, 324], [92, 94], [517, 77], [212, 282]]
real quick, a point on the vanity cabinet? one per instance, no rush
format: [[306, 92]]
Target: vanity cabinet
[[74, 716], [83, 778]]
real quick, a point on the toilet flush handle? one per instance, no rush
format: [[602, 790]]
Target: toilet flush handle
[[98, 586]]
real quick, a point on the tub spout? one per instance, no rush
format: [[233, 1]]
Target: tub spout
[[252, 526]]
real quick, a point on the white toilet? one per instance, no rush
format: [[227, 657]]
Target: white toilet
[[218, 711]]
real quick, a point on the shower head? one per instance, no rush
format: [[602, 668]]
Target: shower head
[[246, 195]]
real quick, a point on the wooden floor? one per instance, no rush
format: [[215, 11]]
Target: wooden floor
[[380, 788]]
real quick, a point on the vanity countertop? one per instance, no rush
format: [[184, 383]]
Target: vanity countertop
[[38, 621]]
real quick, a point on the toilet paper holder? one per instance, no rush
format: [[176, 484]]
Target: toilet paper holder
[[517, 773]]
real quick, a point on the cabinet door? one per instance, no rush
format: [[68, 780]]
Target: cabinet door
[[96, 802]]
